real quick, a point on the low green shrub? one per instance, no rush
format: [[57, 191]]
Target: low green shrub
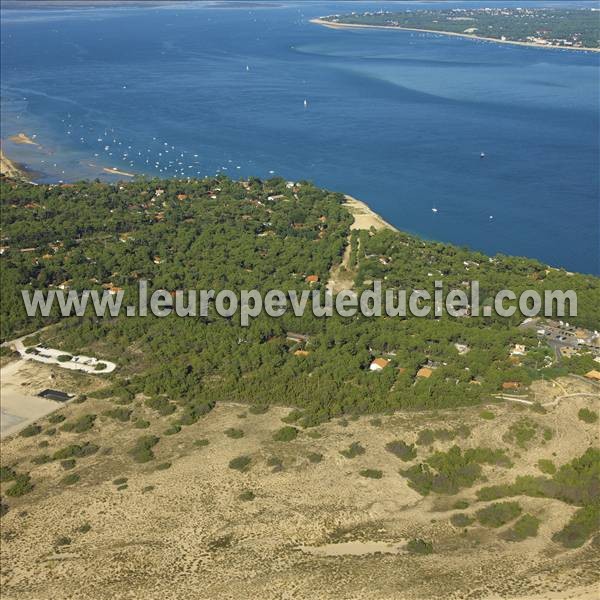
[[172, 430], [419, 546], [56, 418], [402, 450], [62, 541], [75, 451], [354, 450], [241, 463], [582, 525], [315, 457], [371, 473], [80, 425], [22, 485], [70, 479], [119, 414], [526, 526], [42, 459], [142, 450], [461, 520], [7, 474], [234, 433], [30, 430], [498, 514], [285, 434]]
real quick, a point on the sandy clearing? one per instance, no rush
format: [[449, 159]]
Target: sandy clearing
[[353, 548], [19, 406]]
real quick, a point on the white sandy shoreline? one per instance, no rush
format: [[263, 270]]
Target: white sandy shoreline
[[469, 36]]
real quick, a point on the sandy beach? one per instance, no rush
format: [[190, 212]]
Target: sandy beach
[[364, 216], [451, 33], [9, 168], [117, 172], [22, 138]]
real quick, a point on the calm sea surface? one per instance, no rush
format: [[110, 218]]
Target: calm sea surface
[[398, 119]]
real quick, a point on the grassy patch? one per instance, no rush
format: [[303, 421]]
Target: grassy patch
[[521, 432], [546, 466], [587, 416]]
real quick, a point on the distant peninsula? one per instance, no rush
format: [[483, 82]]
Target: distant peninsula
[[576, 29]]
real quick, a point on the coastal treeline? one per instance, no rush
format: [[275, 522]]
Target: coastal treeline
[[220, 234], [566, 27]]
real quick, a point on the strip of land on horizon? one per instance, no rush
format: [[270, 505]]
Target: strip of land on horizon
[[334, 25]]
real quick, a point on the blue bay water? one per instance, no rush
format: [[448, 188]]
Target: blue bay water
[[397, 119]]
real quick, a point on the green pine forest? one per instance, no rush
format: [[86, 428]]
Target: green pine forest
[[222, 234]]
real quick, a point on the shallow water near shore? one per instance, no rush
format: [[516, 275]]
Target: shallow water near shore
[[396, 119]]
